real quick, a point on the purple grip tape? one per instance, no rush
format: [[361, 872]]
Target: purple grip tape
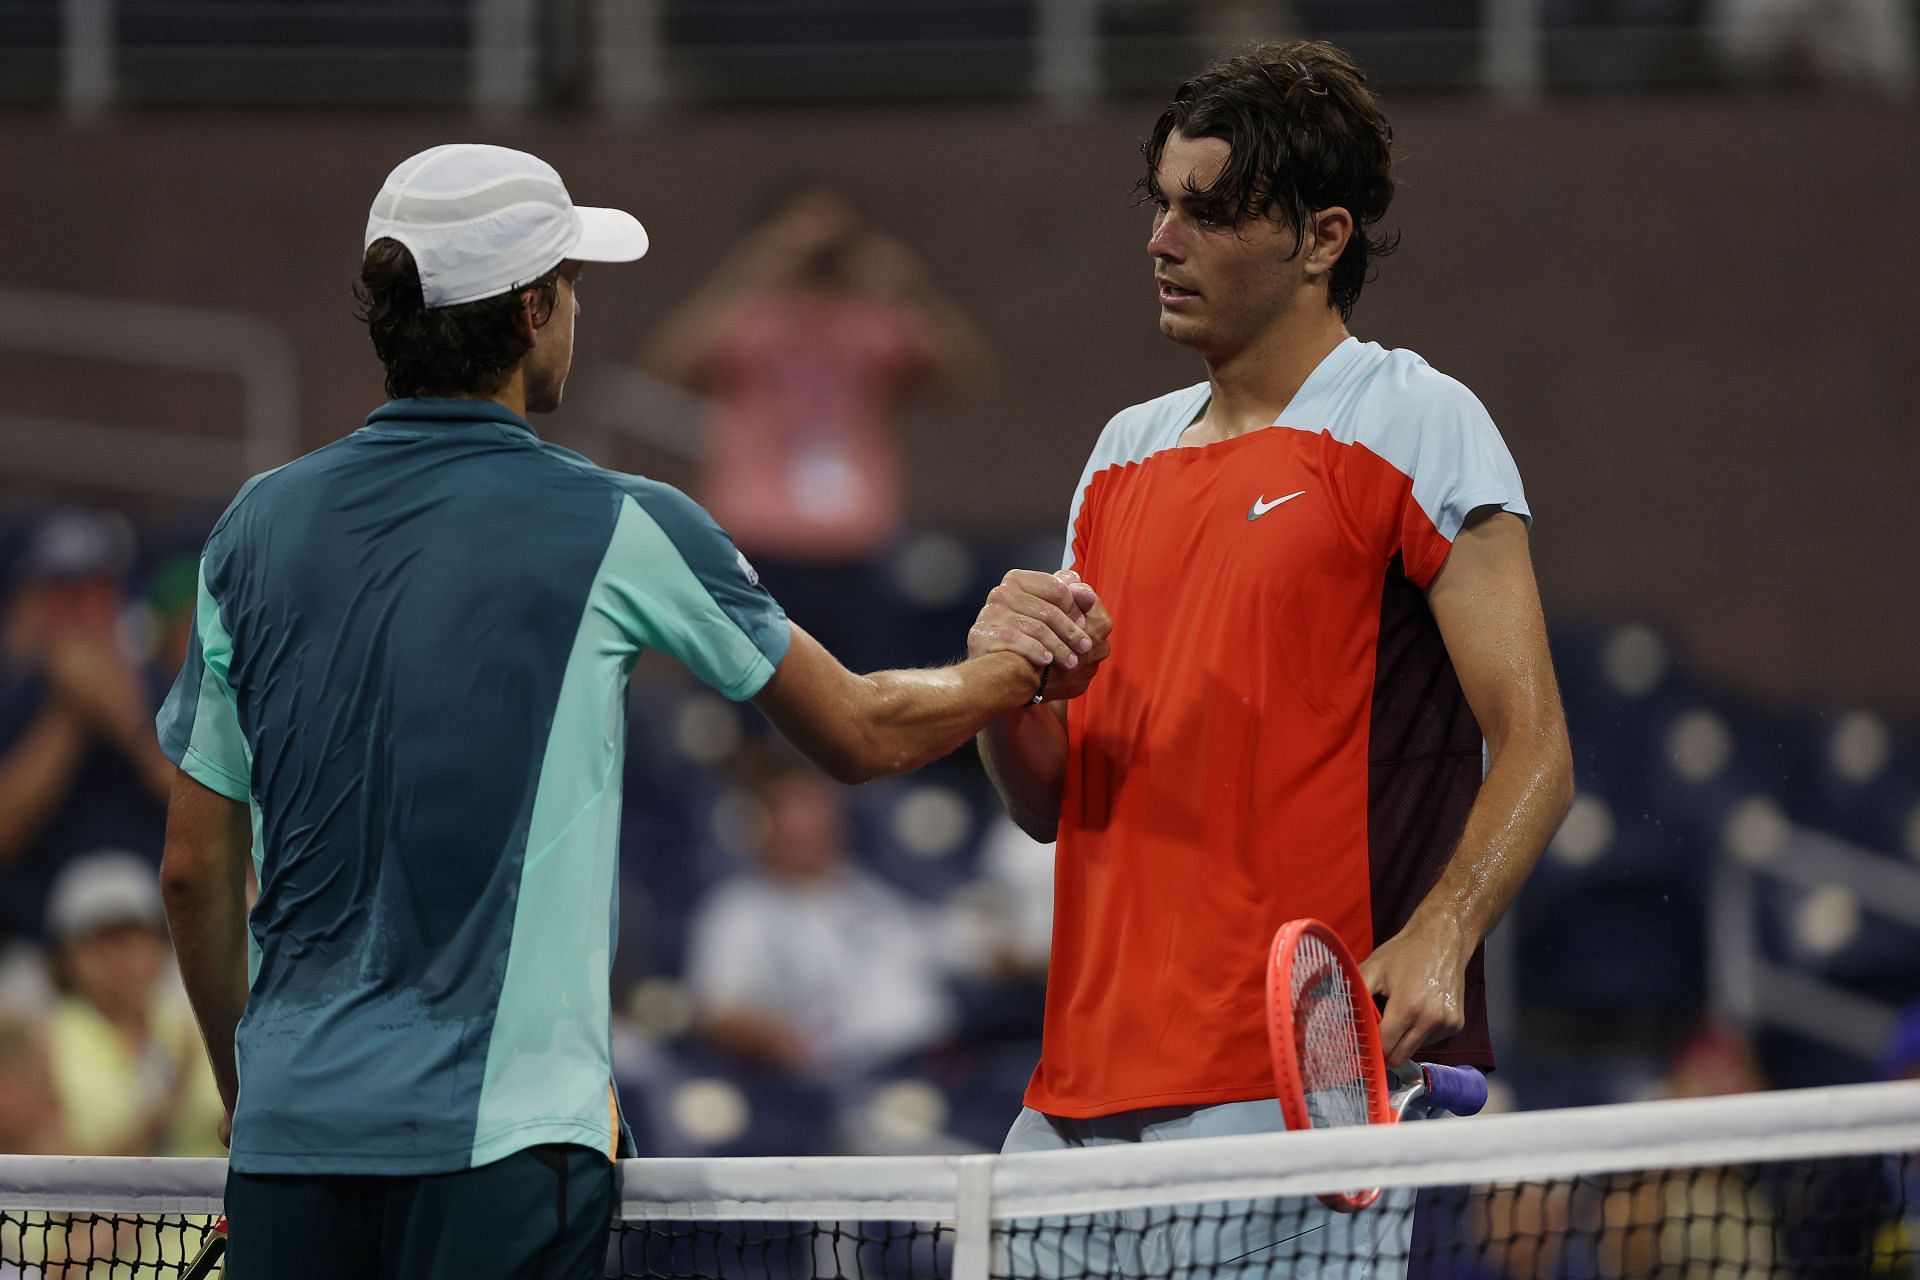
[[1461, 1090]]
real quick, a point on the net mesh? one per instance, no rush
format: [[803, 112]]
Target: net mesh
[[99, 1246], [1326, 1035], [1820, 1184]]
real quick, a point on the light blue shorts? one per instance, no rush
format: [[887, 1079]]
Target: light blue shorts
[[1227, 1240]]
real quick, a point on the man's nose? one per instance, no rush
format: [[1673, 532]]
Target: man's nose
[[1164, 242]]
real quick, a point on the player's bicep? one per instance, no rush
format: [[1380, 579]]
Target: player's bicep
[[1487, 605], [209, 835]]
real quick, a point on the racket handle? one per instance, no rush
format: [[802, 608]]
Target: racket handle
[[1461, 1090], [210, 1253]]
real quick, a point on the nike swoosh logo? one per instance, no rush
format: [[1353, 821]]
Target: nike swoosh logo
[[1261, 506]]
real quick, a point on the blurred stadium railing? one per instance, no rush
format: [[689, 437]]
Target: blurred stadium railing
[[1810, 934], [140, 457], [623, 56]]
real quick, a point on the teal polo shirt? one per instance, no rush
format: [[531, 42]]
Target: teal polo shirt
[[410, 660]]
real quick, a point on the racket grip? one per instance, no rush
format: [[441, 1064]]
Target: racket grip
[[1461, 1090]]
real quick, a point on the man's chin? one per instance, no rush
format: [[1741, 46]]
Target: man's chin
[[1182, 329]]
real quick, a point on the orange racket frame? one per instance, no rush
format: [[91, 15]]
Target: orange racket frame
[[1283, 1036]]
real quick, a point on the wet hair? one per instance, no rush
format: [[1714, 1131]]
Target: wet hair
[[1304, 132], [465, 350]]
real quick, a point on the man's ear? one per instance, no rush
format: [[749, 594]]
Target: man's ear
[[1328, 232], [525, 317], [527, 320]]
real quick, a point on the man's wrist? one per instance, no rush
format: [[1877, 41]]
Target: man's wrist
[[1020, 679], [1449, 926]]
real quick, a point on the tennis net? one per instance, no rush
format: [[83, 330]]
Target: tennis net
[[1817, 1182]]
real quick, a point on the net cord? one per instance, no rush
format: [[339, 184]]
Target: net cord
[[1787, 1125]]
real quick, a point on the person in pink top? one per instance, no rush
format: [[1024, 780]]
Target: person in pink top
[[809, 340]]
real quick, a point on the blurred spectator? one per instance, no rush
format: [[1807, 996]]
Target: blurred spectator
[[29, 1106], [79, 764], [131, 1075], [1712, 1062], [1851, 42], [809, 339], [172, 594], [1012, 903], [809, 963]]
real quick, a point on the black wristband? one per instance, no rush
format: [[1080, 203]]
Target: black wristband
[[1040, 694]]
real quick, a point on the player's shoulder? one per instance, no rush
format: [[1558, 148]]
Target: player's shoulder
[[661, 502], [1140, 430], [1393, 403], [1395, 384], [262, 492], [689, 528]]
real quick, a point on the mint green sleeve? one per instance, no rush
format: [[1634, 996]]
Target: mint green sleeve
[[199, 725], [682, 588]]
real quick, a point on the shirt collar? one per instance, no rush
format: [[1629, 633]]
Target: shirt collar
[[418, 411]]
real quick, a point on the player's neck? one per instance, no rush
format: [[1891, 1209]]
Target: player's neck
[[514, 394], [1252, 386]]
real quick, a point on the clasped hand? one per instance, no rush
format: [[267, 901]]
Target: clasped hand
[[1053, 620]]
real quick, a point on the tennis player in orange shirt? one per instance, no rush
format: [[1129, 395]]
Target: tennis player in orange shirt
[[1329, 692]]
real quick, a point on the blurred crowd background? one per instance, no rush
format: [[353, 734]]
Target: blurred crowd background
[[898, 285]]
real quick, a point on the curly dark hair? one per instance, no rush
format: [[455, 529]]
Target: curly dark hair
[[1304, 133], [465, 350]]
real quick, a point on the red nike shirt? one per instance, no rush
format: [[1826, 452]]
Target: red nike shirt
[[1279, 731]]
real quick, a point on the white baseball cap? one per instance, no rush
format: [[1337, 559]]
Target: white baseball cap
[[99, 890], [482, 220]]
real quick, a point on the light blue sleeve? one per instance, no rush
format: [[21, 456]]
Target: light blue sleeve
[[1437, 433]]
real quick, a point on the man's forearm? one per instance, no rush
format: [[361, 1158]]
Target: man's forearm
[[1025, 755], [207, 916], [912, 718], [1526, 793]]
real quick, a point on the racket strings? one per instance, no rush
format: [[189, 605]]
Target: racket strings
[[1332, 1047]]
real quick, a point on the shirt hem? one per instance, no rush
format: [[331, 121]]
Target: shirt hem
[[211, 775], [750, 682], [498, 1146], [1048, 1105]]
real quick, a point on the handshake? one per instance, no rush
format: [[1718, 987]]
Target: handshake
[[1053, 620]]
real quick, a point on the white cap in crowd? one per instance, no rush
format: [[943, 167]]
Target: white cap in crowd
[[100, 890], [482, 220]]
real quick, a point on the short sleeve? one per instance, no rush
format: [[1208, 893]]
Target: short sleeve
[[1080, 534], [1107, 450], [682, 588], [1132, 435], [199, 724], [1451, 461]]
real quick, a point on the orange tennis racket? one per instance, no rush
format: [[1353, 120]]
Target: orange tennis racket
[[1328, 1068], [1327, 1063]]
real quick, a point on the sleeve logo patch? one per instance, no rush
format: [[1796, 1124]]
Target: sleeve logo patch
[[746, 567]]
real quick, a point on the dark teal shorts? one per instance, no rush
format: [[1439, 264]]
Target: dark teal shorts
[[540, 1214]]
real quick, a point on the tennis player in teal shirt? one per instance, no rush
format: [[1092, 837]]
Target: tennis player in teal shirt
[[404, 703]]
